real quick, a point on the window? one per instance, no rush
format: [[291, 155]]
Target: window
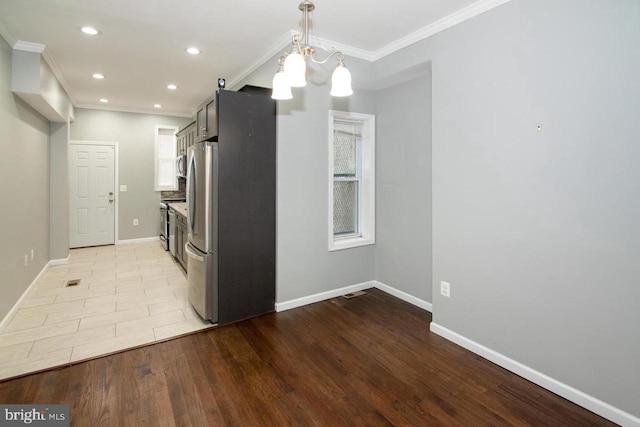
[[351, 180], [165, 159]]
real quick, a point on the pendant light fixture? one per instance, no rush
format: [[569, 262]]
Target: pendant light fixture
[[292, 64], [281, 86]]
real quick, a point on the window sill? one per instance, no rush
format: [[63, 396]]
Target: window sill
[[348, 243]]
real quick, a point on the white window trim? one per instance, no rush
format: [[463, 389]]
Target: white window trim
[[158, 187], [366, 210]]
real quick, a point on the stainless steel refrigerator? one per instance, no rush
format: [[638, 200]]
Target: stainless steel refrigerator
[[202, 223]]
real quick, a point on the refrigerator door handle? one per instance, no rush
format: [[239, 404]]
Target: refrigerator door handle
[[191, 184], [192, 254]]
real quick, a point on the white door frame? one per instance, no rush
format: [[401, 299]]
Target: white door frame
[[116, 190]]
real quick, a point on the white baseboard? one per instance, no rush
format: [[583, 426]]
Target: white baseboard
[[425, 305], [61, 261], [299, 302], [576, 396], [144, 239], [7, 319]]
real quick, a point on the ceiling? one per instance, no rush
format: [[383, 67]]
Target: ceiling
[[141, 48]]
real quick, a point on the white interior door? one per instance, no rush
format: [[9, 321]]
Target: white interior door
[[91, 195]]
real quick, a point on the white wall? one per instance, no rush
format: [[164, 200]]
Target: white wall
[[24, 172]]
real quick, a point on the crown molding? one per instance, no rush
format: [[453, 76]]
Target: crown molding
[[6, 34], [29, 47], [344, 48], [275, 48], [442, 24], [152, 112], [58, 73]]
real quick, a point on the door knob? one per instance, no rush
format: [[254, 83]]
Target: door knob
[[110, 196]]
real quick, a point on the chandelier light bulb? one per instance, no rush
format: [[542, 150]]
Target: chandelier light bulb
[[281, 88], [341, 81], [295, 69]]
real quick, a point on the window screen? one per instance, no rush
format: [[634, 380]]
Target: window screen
[[346, 178]]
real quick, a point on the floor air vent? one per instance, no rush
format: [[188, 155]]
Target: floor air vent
[[74, 282], [353, 294]]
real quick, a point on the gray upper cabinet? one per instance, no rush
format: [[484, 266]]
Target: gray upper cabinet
[[181, 145], [190, 136], [212, 117], [207, 119], [185, 138], [201, 123]]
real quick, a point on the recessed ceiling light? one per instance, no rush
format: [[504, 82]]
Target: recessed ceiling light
[[172, 86], [104, 100], [157, 106], [97, 76], [193, 50], [90, 31]]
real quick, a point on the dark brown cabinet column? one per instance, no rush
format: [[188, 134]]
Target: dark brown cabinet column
[[247, 205]]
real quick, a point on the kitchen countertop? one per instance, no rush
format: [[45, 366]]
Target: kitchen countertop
[[180, 208]]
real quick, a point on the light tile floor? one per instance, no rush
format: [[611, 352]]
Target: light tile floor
[[128, 295]]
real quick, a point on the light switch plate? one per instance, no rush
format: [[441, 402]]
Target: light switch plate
[[123, 188]]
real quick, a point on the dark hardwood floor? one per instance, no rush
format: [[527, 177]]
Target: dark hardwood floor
[[370, 360]]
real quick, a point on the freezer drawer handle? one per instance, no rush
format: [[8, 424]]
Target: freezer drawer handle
[[192, 254]]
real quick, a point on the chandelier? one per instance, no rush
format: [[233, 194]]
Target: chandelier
[[292, 64]]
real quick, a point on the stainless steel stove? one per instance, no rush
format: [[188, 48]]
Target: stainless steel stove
[[165, 224]]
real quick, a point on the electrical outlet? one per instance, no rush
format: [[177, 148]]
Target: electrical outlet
[[32, 254], [445, 289], [26, 260], [136, 222]]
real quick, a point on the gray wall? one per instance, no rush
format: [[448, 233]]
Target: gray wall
[[59, 191], [538, 232], [24, 169], [403, 187], [304, 264], [136, 138]]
